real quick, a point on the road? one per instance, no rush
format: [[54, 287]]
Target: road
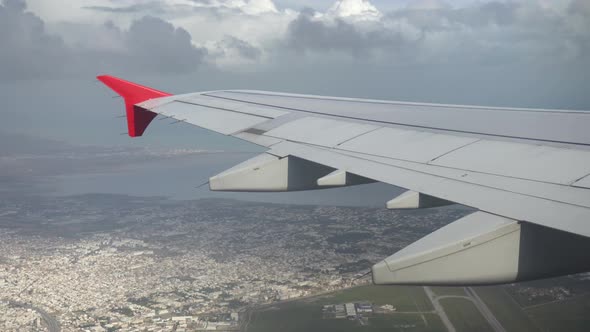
[[50, 321], [439, 309], [485, 311], [472, 296]]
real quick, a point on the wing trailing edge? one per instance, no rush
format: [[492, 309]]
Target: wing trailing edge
[[138, 118]]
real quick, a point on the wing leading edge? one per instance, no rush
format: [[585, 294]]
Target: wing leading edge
[[530, 188]]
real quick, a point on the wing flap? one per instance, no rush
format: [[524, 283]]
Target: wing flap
[[583, 182], [544, 190], [406, 144], [525, 161], [518, 206], [319, 131]]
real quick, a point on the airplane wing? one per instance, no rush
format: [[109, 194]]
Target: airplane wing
[[526, 171]]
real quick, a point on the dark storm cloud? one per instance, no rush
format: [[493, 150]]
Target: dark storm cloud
[[149, 45]]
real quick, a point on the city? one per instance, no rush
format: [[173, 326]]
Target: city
[[121, 263], [124, 262], [116, 261]]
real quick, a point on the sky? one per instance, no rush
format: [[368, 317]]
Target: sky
[[529, 53]]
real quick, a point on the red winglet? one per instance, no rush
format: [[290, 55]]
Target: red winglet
[[137, 118]]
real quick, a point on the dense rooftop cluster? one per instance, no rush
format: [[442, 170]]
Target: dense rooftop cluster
[[110, 261]]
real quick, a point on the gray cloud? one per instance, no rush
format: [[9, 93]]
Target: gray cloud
[[28, 51], [487, 33], [498, 54], [242, 47], [219, 10], [306, 33], [154, 43], [152, 7], [580, 7], [149, 45]]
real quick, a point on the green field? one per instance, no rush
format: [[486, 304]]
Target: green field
[[299, 317], [306, 315], [404, 298], [569, 315], [414, 312], [464, 315]]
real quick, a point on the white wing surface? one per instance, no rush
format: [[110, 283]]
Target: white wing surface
[[527, 171]]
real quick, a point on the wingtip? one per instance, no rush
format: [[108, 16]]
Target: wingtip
[[110, 79], [137, 119], [103, 77]]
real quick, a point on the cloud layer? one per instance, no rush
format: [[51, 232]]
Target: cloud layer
[[529, 53], [148, 44], [486, 33], [179, 36]]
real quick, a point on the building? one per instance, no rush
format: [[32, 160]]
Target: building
[[339, 311], [350, 310], [364, 308]]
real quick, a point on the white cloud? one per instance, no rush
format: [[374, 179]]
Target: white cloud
[[209, 22], [255, 7], [356, 9], [63, 10]]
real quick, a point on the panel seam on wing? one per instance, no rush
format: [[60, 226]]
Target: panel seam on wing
[[442, 177], [458, 131], [453, 150]]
